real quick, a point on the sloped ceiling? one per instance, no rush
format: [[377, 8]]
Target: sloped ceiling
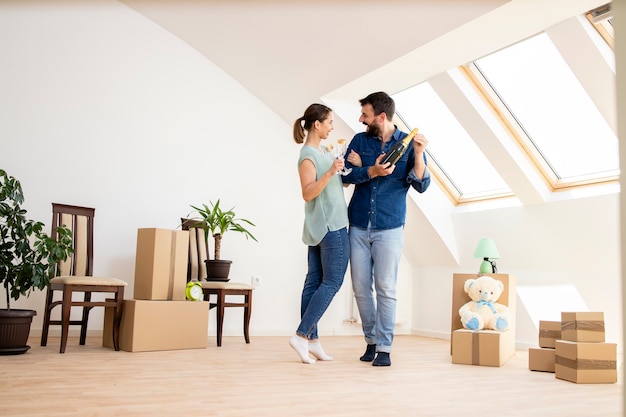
[[290, 53]]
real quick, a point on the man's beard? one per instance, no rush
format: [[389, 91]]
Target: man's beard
[[373, 130]]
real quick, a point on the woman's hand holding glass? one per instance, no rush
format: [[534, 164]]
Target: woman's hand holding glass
[[338, 165], [340, 153]]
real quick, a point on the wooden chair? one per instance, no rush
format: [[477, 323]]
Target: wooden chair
[[76, 276], [198, 253]]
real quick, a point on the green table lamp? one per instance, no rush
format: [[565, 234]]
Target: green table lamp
[[487, 250]]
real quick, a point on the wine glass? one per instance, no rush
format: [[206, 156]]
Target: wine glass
[[340, 152]]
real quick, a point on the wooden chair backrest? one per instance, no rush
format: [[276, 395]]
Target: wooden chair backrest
[[198, 250], [80, 221]]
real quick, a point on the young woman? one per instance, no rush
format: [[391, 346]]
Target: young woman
[[325, 227]]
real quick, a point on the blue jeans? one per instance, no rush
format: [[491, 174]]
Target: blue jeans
[[374, 260], [328, 263]]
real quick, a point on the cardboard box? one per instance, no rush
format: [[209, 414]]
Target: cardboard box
[[549, 332], [582, 326], [508, 298], [586, 362], [159, 325], [541, 359], [482, 347], [161, 264]]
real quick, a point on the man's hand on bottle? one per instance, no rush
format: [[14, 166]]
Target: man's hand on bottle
[[378, 170], [419, 143]]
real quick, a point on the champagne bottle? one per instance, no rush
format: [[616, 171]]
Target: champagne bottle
[[398, 149]]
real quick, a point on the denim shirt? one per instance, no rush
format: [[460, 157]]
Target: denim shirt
[[380, 202]]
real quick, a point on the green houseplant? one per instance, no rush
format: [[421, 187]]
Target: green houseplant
[[28, 257], [216, 222]]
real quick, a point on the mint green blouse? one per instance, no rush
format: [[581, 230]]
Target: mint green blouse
[[328, 211]]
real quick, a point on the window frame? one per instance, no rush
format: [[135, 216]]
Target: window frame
[[517, 133]]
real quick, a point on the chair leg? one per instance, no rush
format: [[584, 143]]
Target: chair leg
[[66, 307], [221, 300], [117, 318], [84, 321], [247, 311], [46, 318]]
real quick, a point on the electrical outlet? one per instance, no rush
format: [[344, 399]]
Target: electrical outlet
[[256, 280]]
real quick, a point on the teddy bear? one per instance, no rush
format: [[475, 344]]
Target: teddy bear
[[483, 312]]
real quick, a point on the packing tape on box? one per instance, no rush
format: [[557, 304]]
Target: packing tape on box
[[586, 364], [589, 325], [475, 353], [550, 334]]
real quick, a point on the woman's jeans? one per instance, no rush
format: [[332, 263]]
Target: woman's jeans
[[328, 263], [375, 256]]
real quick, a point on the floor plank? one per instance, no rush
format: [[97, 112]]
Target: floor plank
[[266, 378]]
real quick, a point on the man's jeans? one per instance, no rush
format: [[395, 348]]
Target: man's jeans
[[375, 256]]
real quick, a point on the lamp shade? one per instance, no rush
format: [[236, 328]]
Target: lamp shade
[[486, 248]]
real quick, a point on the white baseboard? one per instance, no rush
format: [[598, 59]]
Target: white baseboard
[[433, 335]]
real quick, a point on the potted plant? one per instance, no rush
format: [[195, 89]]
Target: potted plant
[[28, 257], [215, 221]]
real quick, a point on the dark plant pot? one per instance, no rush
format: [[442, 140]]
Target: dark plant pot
[[14, 330], [217, 270]]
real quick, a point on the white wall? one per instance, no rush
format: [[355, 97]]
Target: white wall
[[103, 108], [567, 243], [619, 8]]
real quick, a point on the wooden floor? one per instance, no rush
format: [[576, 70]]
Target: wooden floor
[[265, 378]]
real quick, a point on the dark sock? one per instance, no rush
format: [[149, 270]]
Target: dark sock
[[369, 354], [382, 359]]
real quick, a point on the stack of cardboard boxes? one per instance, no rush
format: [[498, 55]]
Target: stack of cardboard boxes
[[159, 317], [542, 358], [575, 349], [482, 347]]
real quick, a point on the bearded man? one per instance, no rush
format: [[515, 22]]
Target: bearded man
[[377, 213]]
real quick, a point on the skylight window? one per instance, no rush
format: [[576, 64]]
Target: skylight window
[[568, 136], [602, 20], [450, 146], [542, 94]]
